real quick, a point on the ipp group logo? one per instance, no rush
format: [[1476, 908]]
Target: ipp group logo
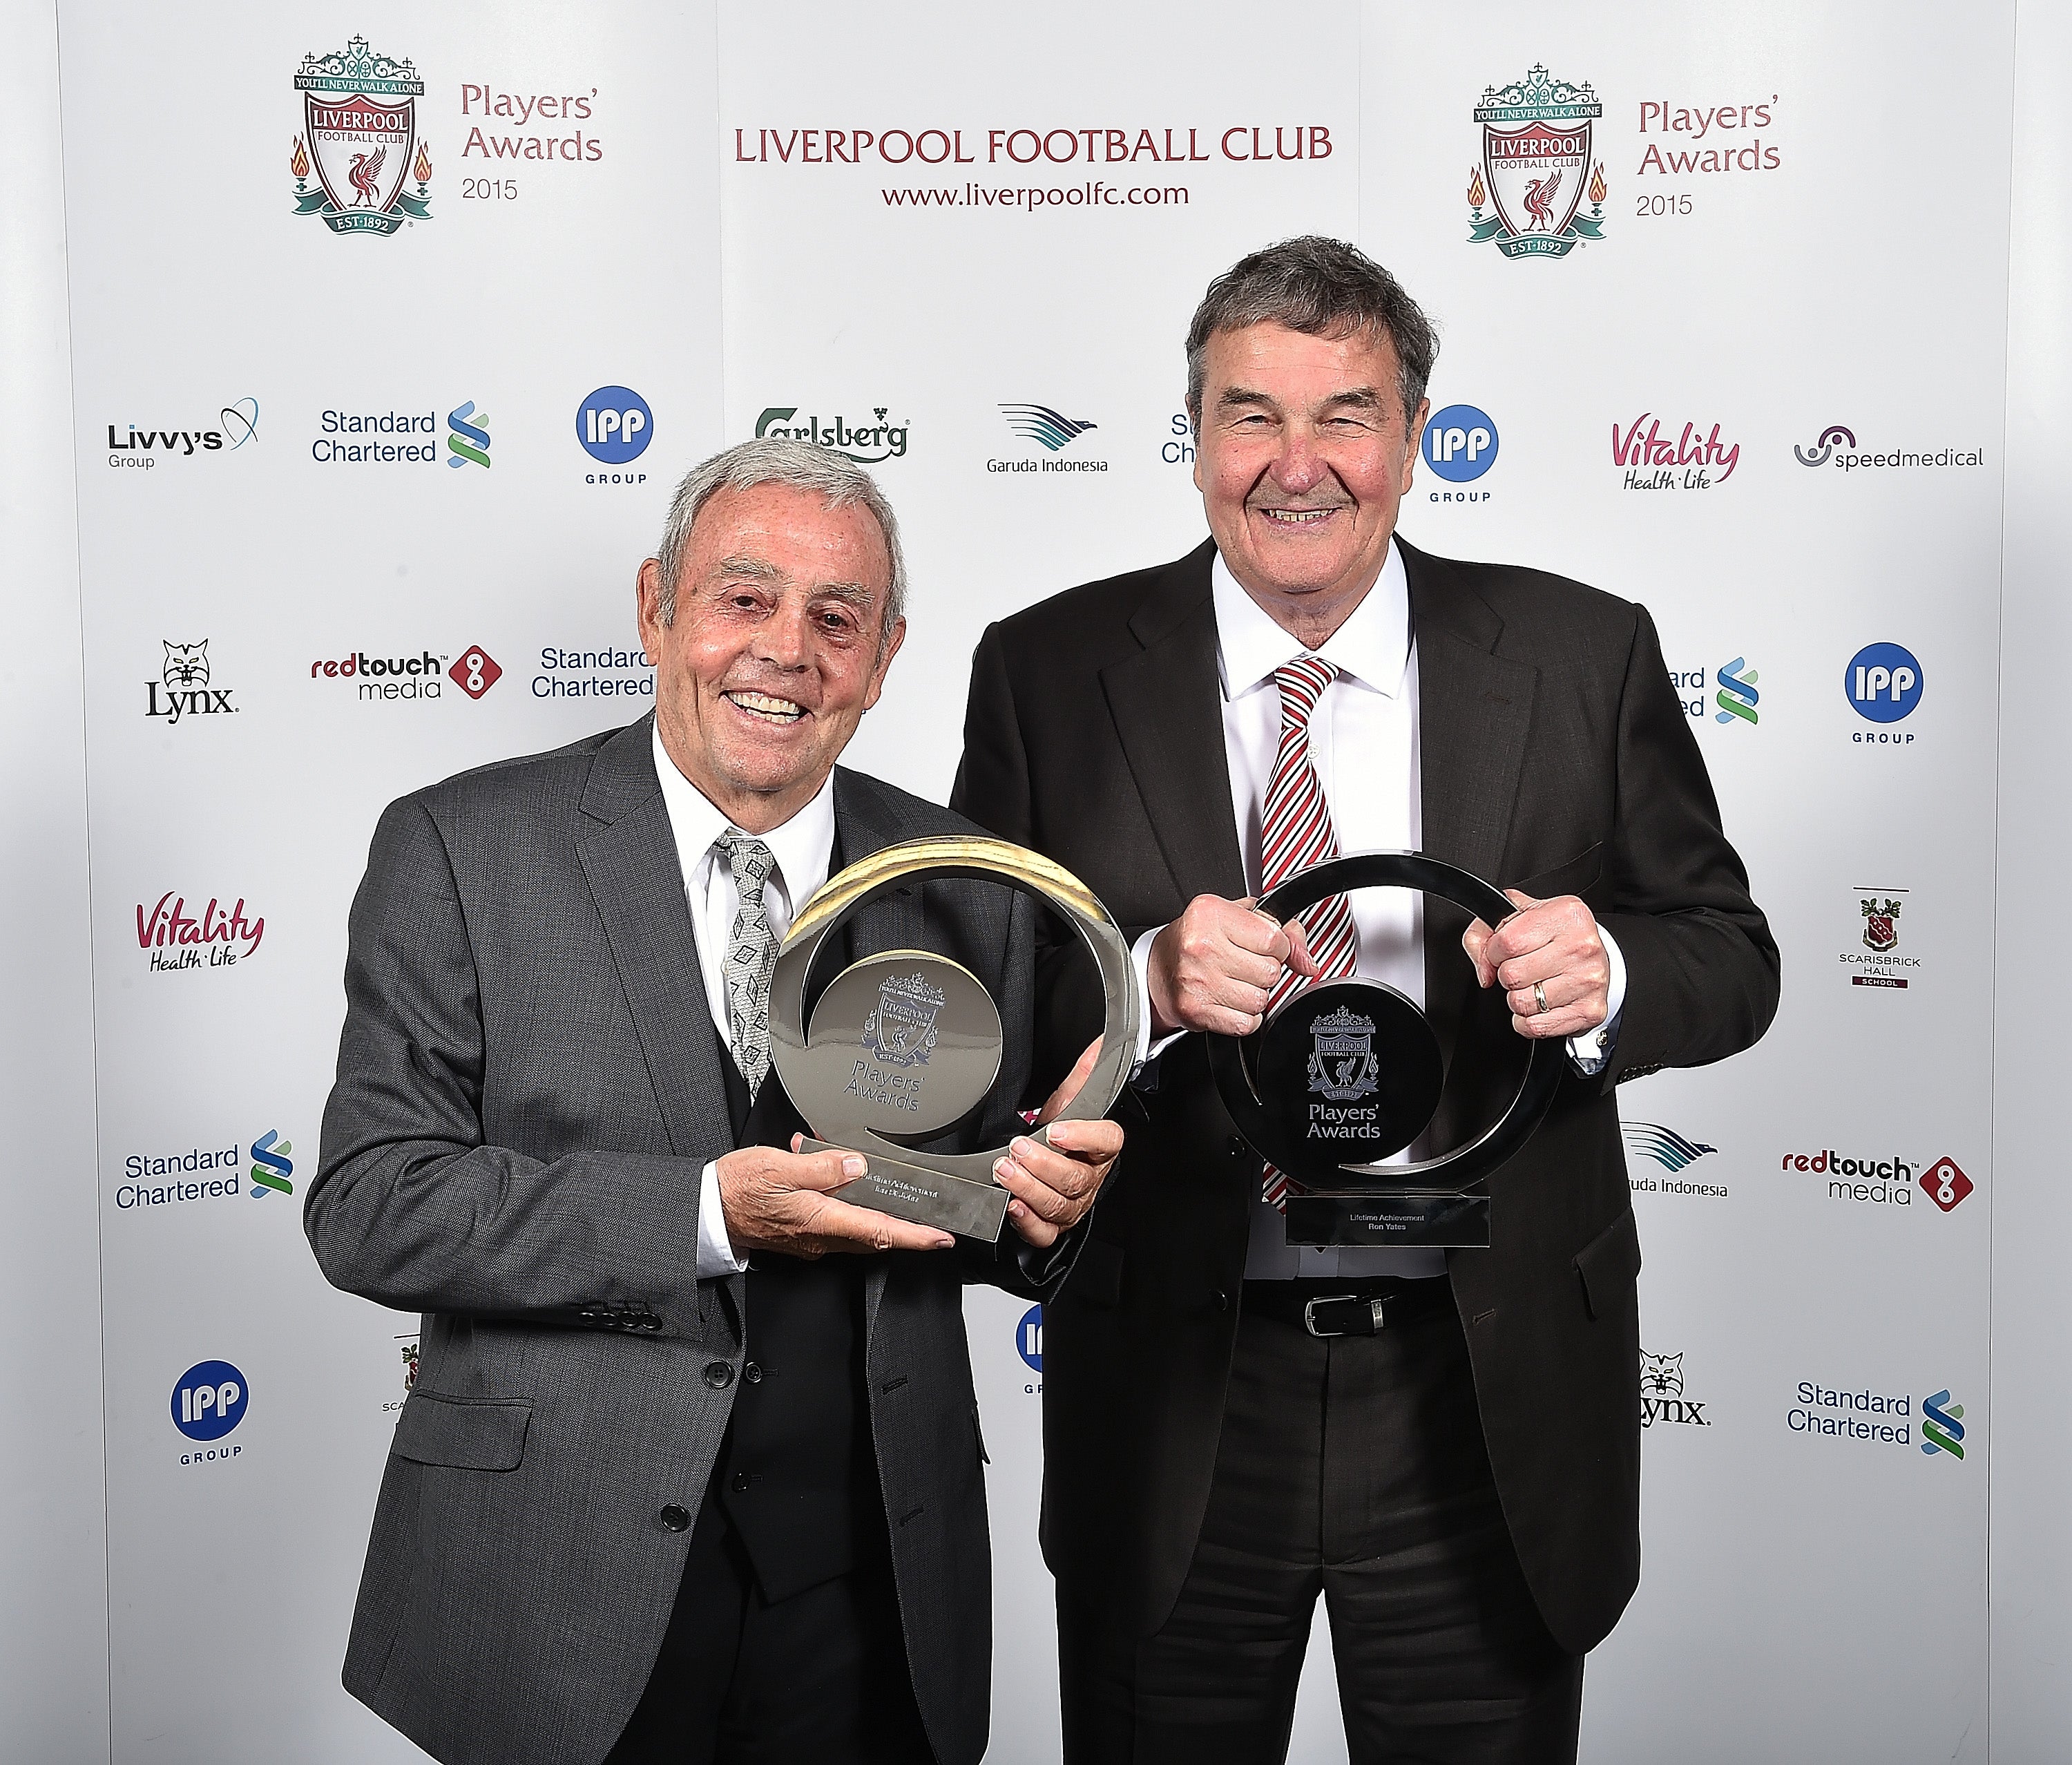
[[359, 125], [140, 449], [1535, 155], [469, 441], [1883, 684], [1029, 1344], [209, 1400], [615, 426], [1460, 444], [1053, 432], [867, 443]]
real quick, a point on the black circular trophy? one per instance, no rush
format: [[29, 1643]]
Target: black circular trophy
[[902, 1045], [1344, 1073]]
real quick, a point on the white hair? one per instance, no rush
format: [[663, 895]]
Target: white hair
[[801, 465]]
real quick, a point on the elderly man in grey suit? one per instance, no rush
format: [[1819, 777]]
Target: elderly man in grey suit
[[675, 1484]]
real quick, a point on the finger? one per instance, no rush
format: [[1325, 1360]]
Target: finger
[[1087, 1140], [1259, 932], [1241, 968], [1069, 1086], [1299, 958], [1523, 932], [1560, 991], [1038, 1197], [1033, 1227], [1547, 963], [1072, 1178], [836, 1225], [1557, 1025], [820, 1171], [1475, 941]]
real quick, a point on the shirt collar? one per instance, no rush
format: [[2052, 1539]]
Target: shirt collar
[[802, 846], [1372, 647]]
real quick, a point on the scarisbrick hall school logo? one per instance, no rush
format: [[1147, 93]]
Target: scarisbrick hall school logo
[[360, 127], [1535, 155]]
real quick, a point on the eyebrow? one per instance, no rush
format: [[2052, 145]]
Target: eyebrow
[[1354, 397], [761, 569]]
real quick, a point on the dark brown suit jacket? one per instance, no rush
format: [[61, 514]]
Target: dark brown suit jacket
[[1555, 758]]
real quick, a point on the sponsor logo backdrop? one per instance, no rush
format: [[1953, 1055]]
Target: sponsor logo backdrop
[[370, 442]]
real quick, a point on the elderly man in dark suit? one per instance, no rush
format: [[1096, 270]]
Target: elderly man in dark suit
[[1445, 1444], [692, 1469]]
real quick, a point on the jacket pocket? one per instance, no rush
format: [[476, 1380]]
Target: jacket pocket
[[468, 1433], [1576, 876], [978, 1434], [1609, 1264]]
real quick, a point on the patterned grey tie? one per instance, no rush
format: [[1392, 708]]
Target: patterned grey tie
[[751, 953]]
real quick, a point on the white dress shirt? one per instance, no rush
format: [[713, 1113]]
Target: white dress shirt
[[1363, 742], [803, 847]]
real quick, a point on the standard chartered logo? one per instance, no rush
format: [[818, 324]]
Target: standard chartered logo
[[1941, 1425], [1737, 696], [469, 441], [270, 1167]]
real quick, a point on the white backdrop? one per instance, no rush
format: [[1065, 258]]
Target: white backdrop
[[894, 228]]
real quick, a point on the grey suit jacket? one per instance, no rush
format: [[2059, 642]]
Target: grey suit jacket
[[528, 1090]]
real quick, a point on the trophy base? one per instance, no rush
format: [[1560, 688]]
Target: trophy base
[[929, 1198], [1430, 1218]]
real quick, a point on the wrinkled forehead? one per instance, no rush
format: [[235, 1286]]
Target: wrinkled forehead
[[791, 538], [1277, 359]]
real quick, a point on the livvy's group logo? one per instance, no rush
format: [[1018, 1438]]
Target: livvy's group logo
[[1535, 155], [360, 126], [867, 443], [139, 449], [1662, 1398], [1876, 959], [182, 690], [176, 939], [1460, 446], [1688, 458]]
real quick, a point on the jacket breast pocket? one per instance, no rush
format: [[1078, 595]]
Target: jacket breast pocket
[[1577, 875], [466, 1433]]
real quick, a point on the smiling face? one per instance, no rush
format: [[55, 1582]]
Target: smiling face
[[777, 647], [1303, 460]]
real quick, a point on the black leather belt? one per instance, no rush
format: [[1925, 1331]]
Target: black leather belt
[[1350, 1308]]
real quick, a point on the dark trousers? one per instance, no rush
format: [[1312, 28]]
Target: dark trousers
[[820, 1676], [1355, 1466]]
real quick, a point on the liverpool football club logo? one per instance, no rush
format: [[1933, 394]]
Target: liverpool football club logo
[[1536, 159], [1880, 924], [359, 140], [1342, 1062], [902, 1030]]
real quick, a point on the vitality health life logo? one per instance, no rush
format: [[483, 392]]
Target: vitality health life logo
[[270, 1166], [359, 124], [1941, 1425], [469, 439], [1737, 697], [1535, 151]]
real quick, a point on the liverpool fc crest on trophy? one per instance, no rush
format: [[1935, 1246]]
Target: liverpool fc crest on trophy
[[359, 141], [902, 1030], [1342, 1062], [1537, 168]]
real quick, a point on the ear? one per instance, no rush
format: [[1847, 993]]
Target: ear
[[897, 636], [1417, 445], [647, 609]]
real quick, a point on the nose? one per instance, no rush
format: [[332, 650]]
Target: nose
[[1297, 466], [784, 639]]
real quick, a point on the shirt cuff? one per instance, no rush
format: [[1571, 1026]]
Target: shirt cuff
[[1591, 1050], [716, 1257], [1140, 959]]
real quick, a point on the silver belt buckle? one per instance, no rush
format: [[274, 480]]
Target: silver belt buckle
[[1310, 1313]]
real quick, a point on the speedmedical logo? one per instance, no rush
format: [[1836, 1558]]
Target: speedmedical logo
[[1883, 684], [1460, 446], [615, 426], [209, 1400]]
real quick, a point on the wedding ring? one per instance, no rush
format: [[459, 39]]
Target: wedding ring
[[1539, 995]]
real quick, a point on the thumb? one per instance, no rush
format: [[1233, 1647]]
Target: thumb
[[1299, 958], [825, 1170], [1068, 1086], [1475, 940]]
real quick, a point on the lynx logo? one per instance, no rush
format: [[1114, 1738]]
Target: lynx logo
[[208, 1402], [359, 119], [614, 425], [182, 689], [1536, 149], [1460, 446], [1883, 682], [902, 1030], [1662, 1396]]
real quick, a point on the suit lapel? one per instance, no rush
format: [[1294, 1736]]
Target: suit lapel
[[1165, 701], [636, 880], [1474, 711]]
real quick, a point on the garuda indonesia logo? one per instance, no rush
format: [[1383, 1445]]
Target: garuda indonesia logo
[[1342, 1062], [359, 124], [1535, 154], [902, 1030]]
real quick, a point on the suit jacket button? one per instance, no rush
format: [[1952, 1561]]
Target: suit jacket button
[[718, 1375], [738, 1482], [1221, 1300], [1238, 1148], [752, 1373], [674, 1519]]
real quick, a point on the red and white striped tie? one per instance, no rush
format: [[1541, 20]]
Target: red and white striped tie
[[1296, 832]]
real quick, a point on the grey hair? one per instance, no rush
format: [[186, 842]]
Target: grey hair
[[1322, 288], [801, 465]]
